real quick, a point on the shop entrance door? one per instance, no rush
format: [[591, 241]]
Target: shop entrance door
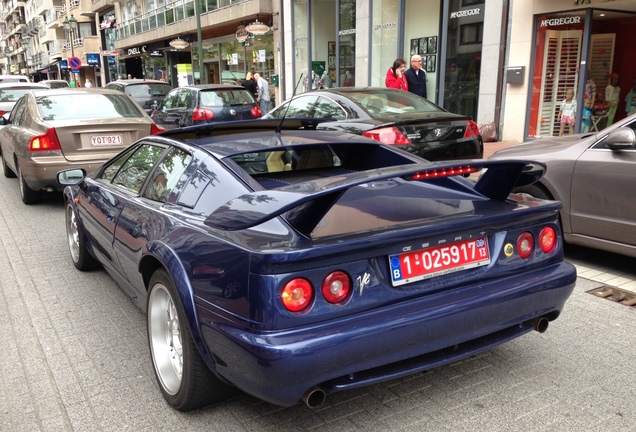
[[560, 72]]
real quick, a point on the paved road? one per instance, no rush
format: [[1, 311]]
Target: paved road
[[75, 358]]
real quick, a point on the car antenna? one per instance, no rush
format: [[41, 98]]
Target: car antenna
[[280, 126]]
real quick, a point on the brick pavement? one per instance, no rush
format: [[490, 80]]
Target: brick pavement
[[75, 358]]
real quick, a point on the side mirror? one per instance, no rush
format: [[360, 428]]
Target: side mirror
[[70, 177], [622, 138]]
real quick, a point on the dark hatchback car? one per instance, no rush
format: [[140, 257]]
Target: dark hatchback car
[[293, 263], [147, 93], [206, 103], [392, 117]]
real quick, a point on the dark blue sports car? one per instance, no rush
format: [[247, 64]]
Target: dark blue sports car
[[291, 263]]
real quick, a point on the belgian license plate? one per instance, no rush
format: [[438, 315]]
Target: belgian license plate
[[438, 260], [106, 140]]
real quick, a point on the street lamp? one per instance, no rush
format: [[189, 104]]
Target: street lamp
[[70, 25]]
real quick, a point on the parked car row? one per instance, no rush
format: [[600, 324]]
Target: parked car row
[[267, 248]]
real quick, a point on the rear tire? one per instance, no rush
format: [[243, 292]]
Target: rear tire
[[184, 379], [81, 257], [28, 195], [5, 169]]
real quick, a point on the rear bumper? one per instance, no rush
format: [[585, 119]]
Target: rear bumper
[[383, 344], [41, 173]]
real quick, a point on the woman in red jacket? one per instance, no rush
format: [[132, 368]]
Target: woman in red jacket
[[395, 76]]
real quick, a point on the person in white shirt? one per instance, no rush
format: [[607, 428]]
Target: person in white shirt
[[88, 84], [263, 92]]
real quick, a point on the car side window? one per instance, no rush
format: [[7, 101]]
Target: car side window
[[133, 172], [16, 117], [170, 100], [184, 99], [326, 108], [166, 175]]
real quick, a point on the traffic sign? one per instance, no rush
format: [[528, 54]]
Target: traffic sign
[[75, 63]]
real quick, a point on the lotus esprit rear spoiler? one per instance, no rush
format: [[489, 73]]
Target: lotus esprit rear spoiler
[[307, 202]]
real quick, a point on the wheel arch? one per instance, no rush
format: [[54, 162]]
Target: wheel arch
[[161, 256]]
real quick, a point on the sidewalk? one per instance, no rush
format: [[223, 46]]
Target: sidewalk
[[491, 147]]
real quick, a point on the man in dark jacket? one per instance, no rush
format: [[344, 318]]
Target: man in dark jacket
[[416, 76]]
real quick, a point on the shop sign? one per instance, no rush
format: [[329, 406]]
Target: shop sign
[[384, 26], [63, 65], [156, 53], [92, 59], [553, 22], [241, 34], [465, 13], [137, 50], [346, 32], [107, 23], [110, 53]]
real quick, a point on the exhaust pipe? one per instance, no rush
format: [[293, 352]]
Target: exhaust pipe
[[314, 397], [540, 324]]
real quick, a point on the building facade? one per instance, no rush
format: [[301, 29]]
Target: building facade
[[504, 62]]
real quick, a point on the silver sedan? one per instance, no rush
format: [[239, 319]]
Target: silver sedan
[[593, 176]]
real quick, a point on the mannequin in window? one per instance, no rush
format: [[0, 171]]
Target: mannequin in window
[[612, 96], [568, 112]]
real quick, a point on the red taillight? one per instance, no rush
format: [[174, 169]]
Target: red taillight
[[387, 135], [525, 245], [471, 129], [155, 129], [448, 172], [336, 287], [2, 112], [202, 114], [547, 239], [297, 294], [256, 111], [46, 142]]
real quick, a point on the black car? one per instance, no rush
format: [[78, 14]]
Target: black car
[[392, 117], [147, 93], [206, 103]]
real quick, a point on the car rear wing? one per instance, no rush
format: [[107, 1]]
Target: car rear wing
[[309, 201]]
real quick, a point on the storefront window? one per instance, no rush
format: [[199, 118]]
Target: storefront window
[[463, 56], [233, 66], [301, 44], [421, 29], [323, 43], [346, 40], [384, 38], [557, 55]]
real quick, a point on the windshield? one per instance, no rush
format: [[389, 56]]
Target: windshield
[[13, 94], [380, 103], [87, 106], [147, 90]]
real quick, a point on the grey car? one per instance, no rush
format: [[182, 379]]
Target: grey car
[[593, 176], [206, 103], [10, 92]]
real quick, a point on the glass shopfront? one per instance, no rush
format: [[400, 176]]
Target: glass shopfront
[[463, 56], [600, 78], [384, 38]]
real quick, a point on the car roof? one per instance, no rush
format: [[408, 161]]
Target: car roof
[[127, 82], [15, 78], [215, 87], [75, 91], [20, 84]]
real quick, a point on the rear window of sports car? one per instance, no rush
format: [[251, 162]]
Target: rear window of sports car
[[86, 106]]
